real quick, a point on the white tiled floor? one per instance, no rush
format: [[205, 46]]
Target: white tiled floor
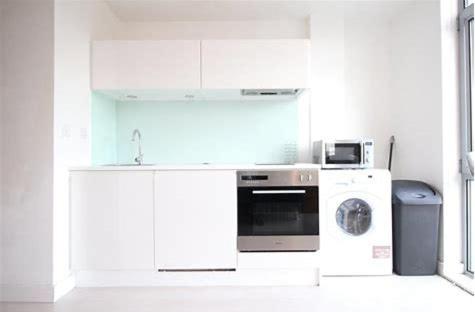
[[353, 294]]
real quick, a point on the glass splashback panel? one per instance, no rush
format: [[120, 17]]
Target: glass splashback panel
[[190, 132]]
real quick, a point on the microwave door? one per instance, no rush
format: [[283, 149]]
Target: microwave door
[[342, 154]]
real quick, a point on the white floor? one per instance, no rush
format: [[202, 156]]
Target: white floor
[[353, 294]]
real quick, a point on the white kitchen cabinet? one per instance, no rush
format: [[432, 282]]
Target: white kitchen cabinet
[[255, 64], [145, 64], [112, 220], [195, 220]]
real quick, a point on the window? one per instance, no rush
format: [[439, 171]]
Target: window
[[471, 210], [468, 127]]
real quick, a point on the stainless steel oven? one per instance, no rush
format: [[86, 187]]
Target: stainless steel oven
[[278, 210]]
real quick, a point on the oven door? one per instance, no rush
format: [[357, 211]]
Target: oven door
[[278, 218], [343, 155]]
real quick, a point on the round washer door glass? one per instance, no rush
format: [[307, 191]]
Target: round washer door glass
[[354, 216]]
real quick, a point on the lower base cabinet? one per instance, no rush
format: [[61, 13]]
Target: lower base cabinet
[[195, 220], [148, 220], [112, 220]]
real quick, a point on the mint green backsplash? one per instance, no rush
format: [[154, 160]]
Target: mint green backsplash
[[197, 132], [103, 130]]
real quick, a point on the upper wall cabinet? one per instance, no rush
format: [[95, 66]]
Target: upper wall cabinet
[[142, 65], [255, 64]]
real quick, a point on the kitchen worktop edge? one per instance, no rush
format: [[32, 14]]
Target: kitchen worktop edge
[[196, 167]]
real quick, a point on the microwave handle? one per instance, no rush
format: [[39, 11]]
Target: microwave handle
[[363, 153], [278, 192]]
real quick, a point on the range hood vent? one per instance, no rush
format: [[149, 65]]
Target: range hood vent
[[270, 92]]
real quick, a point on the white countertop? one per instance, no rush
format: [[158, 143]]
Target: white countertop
[[196, 167]]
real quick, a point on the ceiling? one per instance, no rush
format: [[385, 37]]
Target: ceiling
[[227, 10]]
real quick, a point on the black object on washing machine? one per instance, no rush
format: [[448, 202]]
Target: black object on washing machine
[[416, 210]]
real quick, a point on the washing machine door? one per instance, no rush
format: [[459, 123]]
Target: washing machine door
[[353, 216]]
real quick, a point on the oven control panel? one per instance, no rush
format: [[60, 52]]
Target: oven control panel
[[292, 177]]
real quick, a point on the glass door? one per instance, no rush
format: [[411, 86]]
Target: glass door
[[471, 210], [353, 216], [468, 139]]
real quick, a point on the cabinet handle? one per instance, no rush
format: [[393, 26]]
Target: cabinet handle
[[279, 192]]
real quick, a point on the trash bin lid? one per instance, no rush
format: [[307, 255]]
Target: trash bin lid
[[409, 192]]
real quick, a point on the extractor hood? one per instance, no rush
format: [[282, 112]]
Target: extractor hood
[[270, 92], [268, 95]]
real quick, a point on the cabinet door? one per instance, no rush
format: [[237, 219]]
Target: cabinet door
[[94, 220], [112, 220], [254, 64], [196, 220], [135, 220], [146, 65]]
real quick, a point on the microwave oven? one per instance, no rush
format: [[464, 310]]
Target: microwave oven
[[344, 154]]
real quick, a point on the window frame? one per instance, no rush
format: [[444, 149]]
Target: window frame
[[465, 16]]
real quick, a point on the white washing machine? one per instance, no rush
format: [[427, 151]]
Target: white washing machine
[[355, 222]]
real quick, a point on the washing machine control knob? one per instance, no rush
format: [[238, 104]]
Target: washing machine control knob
[[301, 178], [309, 178]]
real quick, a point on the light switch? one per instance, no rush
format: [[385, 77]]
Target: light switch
[[65, 132]]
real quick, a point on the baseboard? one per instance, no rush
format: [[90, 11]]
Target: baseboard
[[27, 293], [247, 277], [455, 274], [63, 287], [447, 270]]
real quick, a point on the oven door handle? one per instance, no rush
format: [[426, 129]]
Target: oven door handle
[[279, 192]]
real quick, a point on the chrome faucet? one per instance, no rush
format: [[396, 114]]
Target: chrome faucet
[[139, 158]]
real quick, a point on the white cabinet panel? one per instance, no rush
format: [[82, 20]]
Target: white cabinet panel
[[196, 220], [135, 220], [112, 220], [94, 220], [230, 64], [142, 65]]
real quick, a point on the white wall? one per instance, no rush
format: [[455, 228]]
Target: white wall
[[426, 112], [289, 29], [27, 163], [351, 73], [419, 117], [452, 241], [372, 71], [367, 81], [77, 23], [327, 34], [416, 94], [35, 225], [417, 99]]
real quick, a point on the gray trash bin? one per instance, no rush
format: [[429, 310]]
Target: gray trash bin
[[416, 210]]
